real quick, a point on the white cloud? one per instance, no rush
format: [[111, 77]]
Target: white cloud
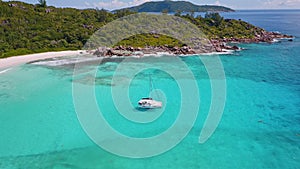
[[282, 3], [111, 4], [221, 3], [292, 2], [138, 2], [218, 3], [87, 4], [115, 4]]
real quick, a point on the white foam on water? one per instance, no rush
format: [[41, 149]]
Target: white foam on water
[[4, 71], [68, 61], [74, 60], [225, 52]]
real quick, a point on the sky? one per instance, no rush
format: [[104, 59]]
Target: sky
[[117, 4]]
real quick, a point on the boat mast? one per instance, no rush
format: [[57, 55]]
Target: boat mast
[[150, 85]]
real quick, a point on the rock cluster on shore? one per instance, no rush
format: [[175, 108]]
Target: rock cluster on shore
[[263, 36], [216, 45], [130, 51]]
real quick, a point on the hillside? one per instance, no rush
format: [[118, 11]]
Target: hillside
[[27, 28], [176, 6]]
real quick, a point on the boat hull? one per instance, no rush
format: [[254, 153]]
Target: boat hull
[[149, 104]]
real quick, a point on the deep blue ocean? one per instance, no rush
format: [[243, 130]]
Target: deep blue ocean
[[260, 126]]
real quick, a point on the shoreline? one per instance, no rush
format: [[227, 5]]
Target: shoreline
[[10, 62], [218, 46]]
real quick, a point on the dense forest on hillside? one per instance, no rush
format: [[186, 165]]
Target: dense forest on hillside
[[27, 28]]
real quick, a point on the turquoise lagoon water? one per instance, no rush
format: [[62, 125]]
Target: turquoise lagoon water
[[260, 127]]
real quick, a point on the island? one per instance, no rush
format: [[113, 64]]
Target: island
[[175, 6]]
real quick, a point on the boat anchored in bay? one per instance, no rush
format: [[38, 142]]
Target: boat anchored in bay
[[148, 102]]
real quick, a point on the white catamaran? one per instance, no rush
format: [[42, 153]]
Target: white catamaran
[[149, 103]]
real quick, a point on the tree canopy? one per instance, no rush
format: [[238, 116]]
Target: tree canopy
[[27, 28], [42, 3]]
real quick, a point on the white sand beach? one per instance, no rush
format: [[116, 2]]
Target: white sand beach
[[19, 60]]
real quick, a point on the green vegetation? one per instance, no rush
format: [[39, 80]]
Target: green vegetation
[[144, 40], [27, 28], [214, 18], [42, 3], [174, 6], [212, 25], [216, 27]]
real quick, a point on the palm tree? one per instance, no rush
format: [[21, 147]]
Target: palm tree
[[42, 3]]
